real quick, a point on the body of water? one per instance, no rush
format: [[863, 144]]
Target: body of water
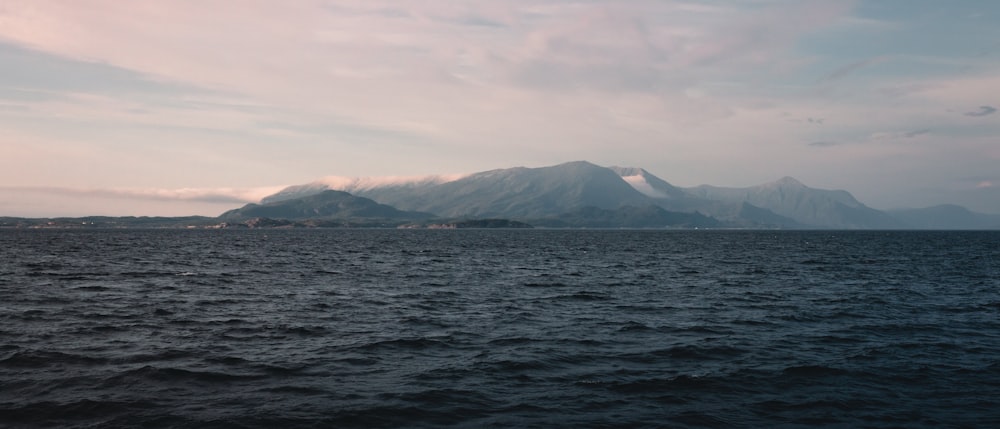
[[499, 328]]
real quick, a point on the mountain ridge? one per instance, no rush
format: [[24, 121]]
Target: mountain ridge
[[327, 204], [551, 191], [791, 198]]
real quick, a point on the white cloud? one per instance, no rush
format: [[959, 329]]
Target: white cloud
[[640, 184], [351, 184]]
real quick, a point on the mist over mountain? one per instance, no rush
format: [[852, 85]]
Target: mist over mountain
[[648, 184], [358, 185], [946, 216], [790, 198], [587, 195]]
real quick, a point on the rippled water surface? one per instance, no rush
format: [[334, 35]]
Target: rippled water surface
[[501, 328]]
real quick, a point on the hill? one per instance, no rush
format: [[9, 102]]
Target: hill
[[324, 205]]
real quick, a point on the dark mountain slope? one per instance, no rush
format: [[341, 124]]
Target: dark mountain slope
[[326, 204]]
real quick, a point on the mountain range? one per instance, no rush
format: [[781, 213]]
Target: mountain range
[[582, 194]]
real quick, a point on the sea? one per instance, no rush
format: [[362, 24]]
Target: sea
[[330, 328]]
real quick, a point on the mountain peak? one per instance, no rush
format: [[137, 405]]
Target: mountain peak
[[788, 181], [648, 184], [576, 165]]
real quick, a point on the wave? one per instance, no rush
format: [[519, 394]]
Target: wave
[[331, 328]]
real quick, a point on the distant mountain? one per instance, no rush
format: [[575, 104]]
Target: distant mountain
[[325, 204], [945, 216], [574, 194], [751, 216], [733, 212], [807, 206], [581, 193]]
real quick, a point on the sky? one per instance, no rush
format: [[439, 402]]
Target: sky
[[180, 107]]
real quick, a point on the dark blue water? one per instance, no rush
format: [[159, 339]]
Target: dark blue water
[[498, 328]]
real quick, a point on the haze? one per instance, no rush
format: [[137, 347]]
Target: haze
[[184, 107]]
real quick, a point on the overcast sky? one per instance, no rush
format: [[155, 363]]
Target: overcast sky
[[195, 107]]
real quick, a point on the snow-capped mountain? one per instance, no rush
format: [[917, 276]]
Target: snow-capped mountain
[[548, 192]]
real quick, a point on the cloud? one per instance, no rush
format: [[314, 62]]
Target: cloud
[[32, 74], [351, 184], [824, 143], [850, 68], [590, 43], [912, 134], [896, 90], [897, 135], [112, 93], [13, 107], [884, 136], [803, 120], [983, 111], [204, 195], [981, 181], [480, 21]]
